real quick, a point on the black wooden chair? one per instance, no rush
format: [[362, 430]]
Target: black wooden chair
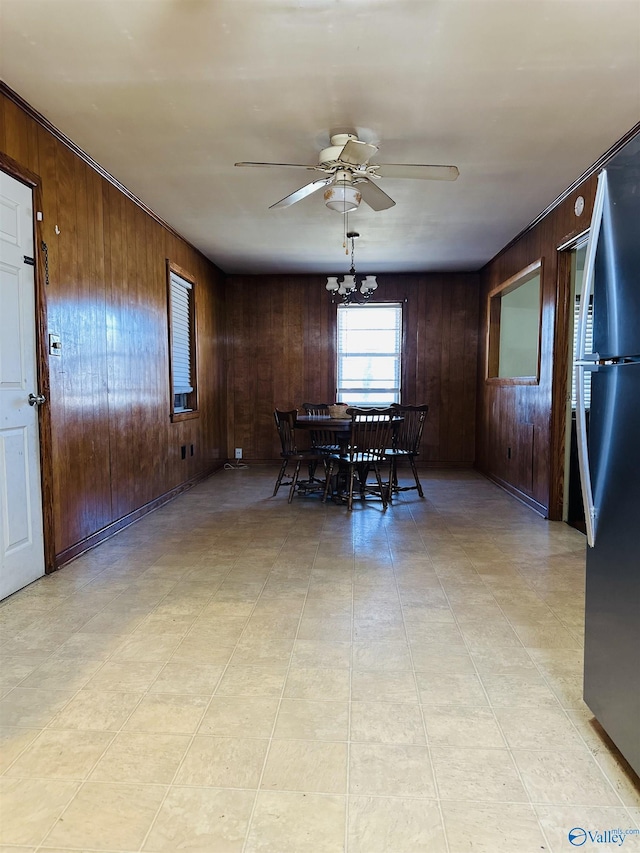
[[369, 437], [406, 443], [285, 424], [322, 440]]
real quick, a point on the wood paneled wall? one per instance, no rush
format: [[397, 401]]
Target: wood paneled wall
[[521, 427], [282, 353], [115, 450]]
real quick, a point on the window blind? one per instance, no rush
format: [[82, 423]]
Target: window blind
[[181, 343], [588, 348]]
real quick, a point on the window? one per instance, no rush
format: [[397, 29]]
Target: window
[[369, 354], [514, 328], [182, 345]]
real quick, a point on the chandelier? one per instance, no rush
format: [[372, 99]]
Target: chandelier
[[348, 288]]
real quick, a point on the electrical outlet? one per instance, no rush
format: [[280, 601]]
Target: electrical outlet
[[238, 453]]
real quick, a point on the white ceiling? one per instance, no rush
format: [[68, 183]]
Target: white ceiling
[[521, 95]]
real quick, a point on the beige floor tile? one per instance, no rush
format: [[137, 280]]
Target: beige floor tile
[[559, 821], [564, 777], [232, 716], [93, 710], [384, 722], [452, 689], [12, 742], [280, 627], [93, 646], [223, 762], [183, 677], [319, 653], [30, 807], [297, 823], [372, 686], [381, 825], [201, 820], [124, 676], [477, 774], [165, 624], [252, 681], [14, 670], [32, 707], [525, 689], [202, 651], [391, 656], [459, 725], [385, 770], [139, 757], [171, 713], [306, 765], [61, 755], [142, 647], [377, 629], [624, 781], [312, 720], [312, 628], [105, 816], [53, 673], [485, 828], [262, 652], [546, 727], [316, 683]]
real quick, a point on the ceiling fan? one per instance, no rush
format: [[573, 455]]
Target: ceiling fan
[[351, 178]]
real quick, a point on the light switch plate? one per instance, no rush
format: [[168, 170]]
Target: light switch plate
[[55, 345]]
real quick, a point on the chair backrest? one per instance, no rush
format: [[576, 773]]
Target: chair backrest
[[370, 431], [316, 408], [408, 434], [320, 438], [285, 424]]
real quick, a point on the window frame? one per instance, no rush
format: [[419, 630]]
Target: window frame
[[192, 397], [399, 304], [494, 303]]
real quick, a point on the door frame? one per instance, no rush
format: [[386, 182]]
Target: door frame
[[25, 176], [561, 357]]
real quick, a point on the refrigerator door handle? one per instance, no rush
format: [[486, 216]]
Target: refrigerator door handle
[[586, 361]]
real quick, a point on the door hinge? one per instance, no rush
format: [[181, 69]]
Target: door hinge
[[30, 261]]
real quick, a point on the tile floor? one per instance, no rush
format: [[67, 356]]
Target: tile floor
[[234, 673]]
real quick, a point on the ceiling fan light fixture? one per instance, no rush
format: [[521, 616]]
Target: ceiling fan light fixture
[[342, 197]]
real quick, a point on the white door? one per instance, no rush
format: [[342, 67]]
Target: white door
[[21, 540]]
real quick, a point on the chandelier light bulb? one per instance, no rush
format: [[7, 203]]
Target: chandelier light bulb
[[332, 283]]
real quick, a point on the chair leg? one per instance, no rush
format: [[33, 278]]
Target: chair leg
[[351, 474], [384, 492], [415, 476], [280, 476], [390, 486], [294, 480], [328, 476]]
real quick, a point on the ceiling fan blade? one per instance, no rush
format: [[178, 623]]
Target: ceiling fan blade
[[303, 192], [280, 165], [357, 153], [420, 171], [374, 196]]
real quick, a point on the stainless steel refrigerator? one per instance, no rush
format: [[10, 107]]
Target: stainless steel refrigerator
[[610, 454]]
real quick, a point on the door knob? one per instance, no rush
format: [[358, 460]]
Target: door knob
[[36, 399]]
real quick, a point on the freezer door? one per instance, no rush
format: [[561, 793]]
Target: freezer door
[[616, 330], [612, 623]]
